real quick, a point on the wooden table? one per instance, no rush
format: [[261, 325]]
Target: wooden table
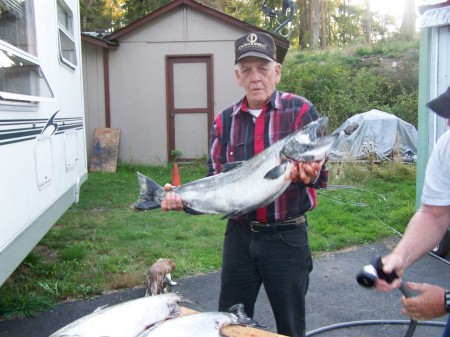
[[237, 330]]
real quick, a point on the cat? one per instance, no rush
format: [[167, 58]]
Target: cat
[[158, 277]]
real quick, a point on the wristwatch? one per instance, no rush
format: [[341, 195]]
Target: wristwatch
[[447, 301]]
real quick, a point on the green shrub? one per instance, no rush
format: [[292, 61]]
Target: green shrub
[[340, 84]]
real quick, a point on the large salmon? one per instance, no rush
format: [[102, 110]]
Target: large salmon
[[252, 184], [127, 319], [206, 324]]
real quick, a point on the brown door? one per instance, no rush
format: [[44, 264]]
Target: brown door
[[189, 105]]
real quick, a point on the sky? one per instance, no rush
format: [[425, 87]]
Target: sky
[[393, 7]]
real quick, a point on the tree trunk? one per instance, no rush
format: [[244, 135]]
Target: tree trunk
[[408, 26], [311, 22], [368, 22], [303, 24], [323, 16], [315, 23]]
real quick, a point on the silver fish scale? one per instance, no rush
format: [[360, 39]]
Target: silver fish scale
[[241, 190], [205, 324]]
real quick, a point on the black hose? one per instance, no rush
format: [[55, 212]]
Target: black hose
[[412, 323], [371, 322]]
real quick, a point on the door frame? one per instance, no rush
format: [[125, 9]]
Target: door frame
[[170, 109]]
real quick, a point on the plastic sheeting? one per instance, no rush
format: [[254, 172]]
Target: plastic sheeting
[[375, 132]]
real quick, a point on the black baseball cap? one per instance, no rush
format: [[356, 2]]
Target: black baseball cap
[[441, 104], [255, 44]]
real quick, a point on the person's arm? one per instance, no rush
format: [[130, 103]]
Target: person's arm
[[216, 156], [172, 201], [424, 231]]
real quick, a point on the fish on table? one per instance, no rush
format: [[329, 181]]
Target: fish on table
[[205, 324], [127, 319], [251, 184]]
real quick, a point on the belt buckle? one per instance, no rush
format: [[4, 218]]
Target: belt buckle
[[255, 223]]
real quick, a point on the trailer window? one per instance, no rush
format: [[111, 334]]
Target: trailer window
[[67, 50], [17, 24], [21, 77]]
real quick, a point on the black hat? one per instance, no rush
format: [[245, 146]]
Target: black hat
[[441, 104], [255, 44]]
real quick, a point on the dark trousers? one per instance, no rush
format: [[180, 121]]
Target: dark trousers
[[281, 261]]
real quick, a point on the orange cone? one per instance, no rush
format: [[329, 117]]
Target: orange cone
[[176, 181]]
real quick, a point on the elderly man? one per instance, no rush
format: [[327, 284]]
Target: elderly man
[[268, 246]]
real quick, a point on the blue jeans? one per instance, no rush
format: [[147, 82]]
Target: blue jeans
[[447, 328], [281, 261]]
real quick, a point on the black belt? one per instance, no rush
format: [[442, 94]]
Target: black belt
[[276, 227]]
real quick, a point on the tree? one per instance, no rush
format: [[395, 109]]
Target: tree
[[349, 23], [91, 15], [314, 23], [303, 23], [216, 4], [248, 11], [368, 22], [113, 9], [323, 24], [100, 15], [382, 26], [135, 9], [408, 27]]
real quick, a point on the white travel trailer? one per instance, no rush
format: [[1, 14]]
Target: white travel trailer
[[42, 137]]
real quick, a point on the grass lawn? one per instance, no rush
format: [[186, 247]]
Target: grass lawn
[[102, 244]]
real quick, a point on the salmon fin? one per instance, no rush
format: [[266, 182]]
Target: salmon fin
[[229, 166], [192, 211], [277, 171], [149, 193], [174, 310]]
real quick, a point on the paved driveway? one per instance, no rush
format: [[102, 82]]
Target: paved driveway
[[334, 297]]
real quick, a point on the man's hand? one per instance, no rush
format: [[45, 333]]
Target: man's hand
[[172, 201], [391, 263], [306, 173], [427, 305]]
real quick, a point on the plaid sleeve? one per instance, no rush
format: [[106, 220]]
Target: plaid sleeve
[[215, 150]]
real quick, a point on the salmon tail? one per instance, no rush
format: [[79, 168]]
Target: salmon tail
[[151, 193]]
